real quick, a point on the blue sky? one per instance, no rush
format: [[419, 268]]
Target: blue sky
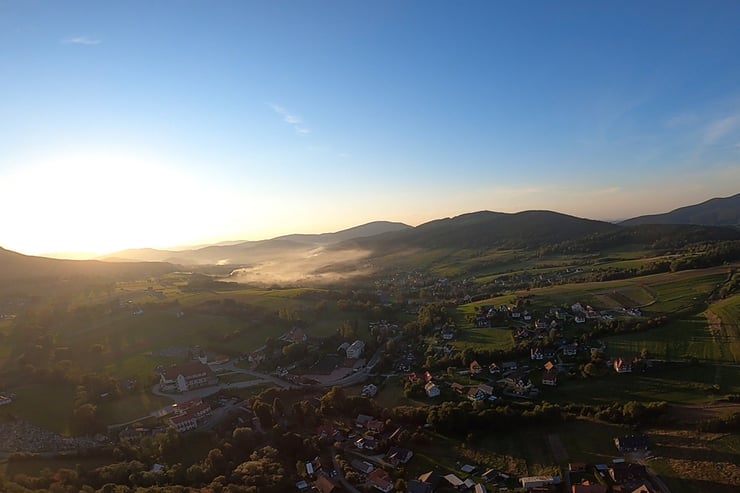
[[136, 124]]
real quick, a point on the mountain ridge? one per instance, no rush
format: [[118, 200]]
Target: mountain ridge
[[717, 211]]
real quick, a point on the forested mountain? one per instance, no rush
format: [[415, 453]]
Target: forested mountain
[[714, 212]]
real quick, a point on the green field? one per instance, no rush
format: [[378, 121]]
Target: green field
[[679, 340], [684, 384], [130, 407], [482, 339], [47, 406]]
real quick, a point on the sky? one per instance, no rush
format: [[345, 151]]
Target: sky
[[163, 123]]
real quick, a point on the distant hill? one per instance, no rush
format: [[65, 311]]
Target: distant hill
[[714, 212], [15, 266], [365, 230], [487, 229], [250, 252]]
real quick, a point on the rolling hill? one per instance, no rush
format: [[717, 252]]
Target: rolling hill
[[251, 252], [487, 229], [714, 212], [15, 266]]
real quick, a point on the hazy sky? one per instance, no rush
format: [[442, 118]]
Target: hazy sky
[[157, 123]]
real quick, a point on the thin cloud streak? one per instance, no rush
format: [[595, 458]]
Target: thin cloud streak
[[718, 129], [81, 40], [290, 118]]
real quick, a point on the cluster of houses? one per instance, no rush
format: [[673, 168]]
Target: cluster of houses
[[189, 415], [186, 377]]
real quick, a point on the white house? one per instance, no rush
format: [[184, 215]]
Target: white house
[[431, 389], [355, 349], [187, 377]]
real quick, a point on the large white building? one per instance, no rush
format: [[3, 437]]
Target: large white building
[[187, 377], [355, 349]]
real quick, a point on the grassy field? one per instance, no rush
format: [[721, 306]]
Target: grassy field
[[679, 340], [47, 406], [496, 338], [130, 407], [685, 384], [727, 332], [693, 462]]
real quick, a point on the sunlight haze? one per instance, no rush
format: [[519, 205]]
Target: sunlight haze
[[167, 124]]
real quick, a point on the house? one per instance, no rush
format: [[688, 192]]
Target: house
[[475, 368], [580, 319], [457, 387], [416, 486], [550, 377], [622, 366], [467, 484], [577, 308], [325, 485], [188, 415], [343, 347], [588, 487], [631, 443], [643, 488], [538, 481], [536, 354], [570, 350], [375, 425], [301, 485], [431, 389], [475, 394], [448, 334], [493, 369], [454, 481], [431, 478], [186, 377], [479, 488], [362, 466], [428, 377], [486, 389], [624, 471], [490, 475], [355, 349], [414, 378], [468, 468], [362, 420], [369, 390], [398, 455], [295, 336], [326, 431], [577, 467], [540, 324], [380, 480]]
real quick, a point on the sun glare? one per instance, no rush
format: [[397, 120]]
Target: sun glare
[[100, 204]]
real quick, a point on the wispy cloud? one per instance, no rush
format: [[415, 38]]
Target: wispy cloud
[[720, 128], [290, 118], [81, 40]]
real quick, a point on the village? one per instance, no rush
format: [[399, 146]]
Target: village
[[369, 452]]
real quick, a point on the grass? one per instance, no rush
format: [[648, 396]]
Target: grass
[[728, 333], [680, 340], [46, 406], [130, 407], [686, 384], [692, 462], [479, 339]]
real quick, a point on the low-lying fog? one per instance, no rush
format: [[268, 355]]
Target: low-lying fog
[[316, 265]]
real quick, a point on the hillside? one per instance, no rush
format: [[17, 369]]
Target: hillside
[[251, 252], [15, 266], [485, 229], [714, 212]]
